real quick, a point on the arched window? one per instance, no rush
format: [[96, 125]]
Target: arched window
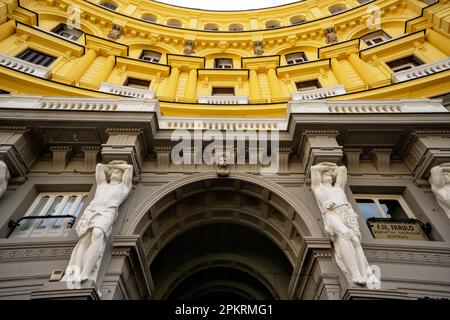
[[375, 38], [223, 63], [363, 1], [337, 8], [174, 23], [150, 56], [272, 24], [430, 1], [235, 27], [298, 20], [109, 5], [149, 17], [211, 27]]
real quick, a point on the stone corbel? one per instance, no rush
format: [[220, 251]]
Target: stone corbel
[[162, 158], [319, 146], [429, 148], [61, 157], [283, 154], [125, 144], [91, 155], [352, 156], [17, 151], [382, 159]]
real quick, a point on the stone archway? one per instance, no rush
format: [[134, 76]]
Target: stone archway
[[185, 228]]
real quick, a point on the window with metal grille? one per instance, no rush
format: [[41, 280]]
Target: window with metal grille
[[51, 204], [67, 32], [404, 63], [223, 63], [218, 91], [151, 56], [36, 57], [137, 83], [297, 57], [308, 85]]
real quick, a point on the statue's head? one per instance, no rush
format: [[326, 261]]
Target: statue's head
[[327, 178], [115, 174]]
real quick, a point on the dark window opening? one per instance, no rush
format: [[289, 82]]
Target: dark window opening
[[308, 85], [36, 57], [404, 63], [223, 91], [137, 83]]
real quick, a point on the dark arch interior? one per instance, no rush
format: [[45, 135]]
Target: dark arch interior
[[214, 282]]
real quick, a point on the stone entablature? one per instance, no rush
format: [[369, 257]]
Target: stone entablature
[[24, 66], [422, 70]]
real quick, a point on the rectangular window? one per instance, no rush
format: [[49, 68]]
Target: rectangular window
[[223, 63], [150, 56], [375, 38], [51, 204], [383, 206], [308, 85], [223, 91], [137, 83], [67, 32], [297, 57], [404, 63], [36, 57]]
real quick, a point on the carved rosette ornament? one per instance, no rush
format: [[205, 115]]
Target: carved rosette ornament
[[440, 185], [189, 46], [258, 48]]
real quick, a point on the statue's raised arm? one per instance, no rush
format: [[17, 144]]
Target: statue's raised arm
[[317, 171], [341, 177], [100, 173], [437, 180]]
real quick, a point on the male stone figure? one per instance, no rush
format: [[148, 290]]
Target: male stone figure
[[95, 225], [440, 185], [340, 221], [4, 177]]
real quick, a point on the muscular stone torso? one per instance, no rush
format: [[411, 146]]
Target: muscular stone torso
[[329, 196], [110, 195]]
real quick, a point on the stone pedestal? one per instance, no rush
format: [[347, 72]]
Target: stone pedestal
[[60, 290]]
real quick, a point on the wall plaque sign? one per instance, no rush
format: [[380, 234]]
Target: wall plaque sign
[[410, 229]]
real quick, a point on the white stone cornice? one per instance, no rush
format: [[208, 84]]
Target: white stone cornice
[[422, 70], [368, 106], [24, 66], [78, 103]]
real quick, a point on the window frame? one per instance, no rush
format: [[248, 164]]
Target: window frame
[[303, 90], [144, 52], [138, 86], [217, 64], [301, 53], [22, 54], [376, 197], [373, 35], [68, 30], [402, 67], [48, 230], [223, 95]]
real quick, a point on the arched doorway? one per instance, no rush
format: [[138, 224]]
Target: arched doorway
[[234, 238]]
